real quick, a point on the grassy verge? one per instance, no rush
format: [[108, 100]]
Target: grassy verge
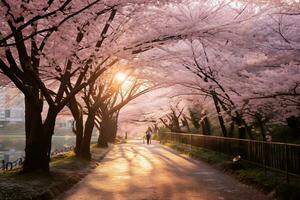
[[66, 170], [273, 183]]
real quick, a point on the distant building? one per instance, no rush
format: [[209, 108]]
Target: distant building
[[12, 110], [64, 124], [9, 116]]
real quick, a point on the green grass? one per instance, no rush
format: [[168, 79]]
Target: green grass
[[66, 170], [273, 183], [69, 162]]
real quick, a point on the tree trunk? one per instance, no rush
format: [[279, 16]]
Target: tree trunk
[[85, 151], [79, 134], [176, 126], [205, 124], [221, 120], [105, 130], [48, 129], [112, 128], [78, 128], [108, 129], [241, 127], [35, 153], [231, 130], [38, 138], [102, 141], [262, 131]]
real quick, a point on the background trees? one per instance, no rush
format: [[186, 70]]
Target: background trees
[[239, 62]]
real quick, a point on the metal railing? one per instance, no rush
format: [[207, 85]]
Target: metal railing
[[18, 163], [283, 157]]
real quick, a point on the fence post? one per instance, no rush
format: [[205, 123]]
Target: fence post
[[265, 157], [249, 150], [286, 163], [191, 142]]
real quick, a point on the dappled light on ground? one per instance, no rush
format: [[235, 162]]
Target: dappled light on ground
[[137, 171]]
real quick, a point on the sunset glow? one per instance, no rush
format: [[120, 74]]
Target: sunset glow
[[121, 77], [126, 100]]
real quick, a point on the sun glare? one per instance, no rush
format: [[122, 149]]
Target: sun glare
[[121, 77]]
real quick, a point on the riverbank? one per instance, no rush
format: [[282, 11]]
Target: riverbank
[[66, 170], [273, 183], [17, 142]]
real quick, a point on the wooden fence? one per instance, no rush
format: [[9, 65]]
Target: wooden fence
[[282, 157]]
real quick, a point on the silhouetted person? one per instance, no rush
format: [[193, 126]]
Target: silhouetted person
[[148, 135]]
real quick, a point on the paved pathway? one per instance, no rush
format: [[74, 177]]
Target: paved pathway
[[135, 171]]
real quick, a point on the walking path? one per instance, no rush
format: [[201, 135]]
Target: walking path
[[136, 171]]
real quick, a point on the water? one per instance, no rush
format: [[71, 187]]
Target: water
[[14, 144]]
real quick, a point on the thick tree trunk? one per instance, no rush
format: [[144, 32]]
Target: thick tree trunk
[[48, 129], [85, 151], [105, 129], [79, 134], [38, 138], [102, 141], [112, 128], [35, 152], [78, 128], [108, 130]]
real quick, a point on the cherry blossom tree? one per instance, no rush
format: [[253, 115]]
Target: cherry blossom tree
[[45, 41], [237, 68], [53, 50], [30, 30], [108, 113]]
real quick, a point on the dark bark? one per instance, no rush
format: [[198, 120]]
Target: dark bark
[[205, 124], [38, 137], [231, 130], [263, 132], [112, 129], [35, 153], [176, 126], [194, 118], [108, 131], [85, 151], [79, 134], [218, 109], [102, 141], [78, 125], [241, 128], [48, 129]]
